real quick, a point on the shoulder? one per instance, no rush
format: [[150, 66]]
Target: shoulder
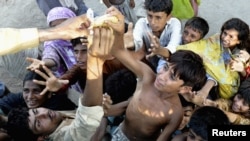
[[174, 22]]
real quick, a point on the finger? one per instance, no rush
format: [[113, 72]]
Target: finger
[[150, 55], [48, 71], [28, 59], [39, 82], [44, 91], [43, 75], [109, 41], [130, 27], [103, 40], [96, 41], [64, 82]]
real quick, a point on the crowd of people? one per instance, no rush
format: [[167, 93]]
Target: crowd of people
[[129, 79]]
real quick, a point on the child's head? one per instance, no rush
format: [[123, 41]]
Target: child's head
[[241, 101], [120, 85], [158, 13], [195, 29], [59, 14], [18, 125], [188, 66], [234, 32], [80, 52], [159, 6], [31, 90], [202, 118], [188, 108]]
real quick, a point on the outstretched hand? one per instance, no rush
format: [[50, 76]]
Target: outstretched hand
[[35, 63], [52, 83], [73, 27]]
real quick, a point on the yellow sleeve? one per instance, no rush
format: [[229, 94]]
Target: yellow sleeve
[[13, 40]]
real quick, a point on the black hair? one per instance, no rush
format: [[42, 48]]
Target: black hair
[[198, 24], [206, 116], [121, 85], [31, 75], [159, 6], [185, 103], [189, 67], [76, 41], [18, 125]]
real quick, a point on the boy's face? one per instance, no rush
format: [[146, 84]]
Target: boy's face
[[166, 81], [31, 95], [80, 52], [194, 137], [43, 121], [190, 35], [187, 112], [229, 38], [157, 20], [239, 105]]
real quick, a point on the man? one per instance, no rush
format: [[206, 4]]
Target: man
[[155, 111], [52, 125]]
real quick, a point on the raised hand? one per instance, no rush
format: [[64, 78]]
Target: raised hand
[[106, 103], [35, 64], [101, 42], [52, 83]]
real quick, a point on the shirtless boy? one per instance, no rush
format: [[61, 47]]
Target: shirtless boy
[[154, 111]]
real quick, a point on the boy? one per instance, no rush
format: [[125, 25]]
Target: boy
[[195, 29], [199, 122], [155, 111], [159, 22]]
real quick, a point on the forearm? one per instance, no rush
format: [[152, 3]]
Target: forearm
[[126, 58], [13, 40], [164, 52], [49, 34], [207, 87], [117, 109], [93, 89]]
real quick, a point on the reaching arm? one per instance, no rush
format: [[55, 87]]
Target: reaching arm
[[98, 52], [119, 51], [13, 40]]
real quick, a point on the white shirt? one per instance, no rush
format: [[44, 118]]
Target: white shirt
[[170, 36]]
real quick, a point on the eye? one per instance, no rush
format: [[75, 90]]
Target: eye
[[25, 90], [166, 67]]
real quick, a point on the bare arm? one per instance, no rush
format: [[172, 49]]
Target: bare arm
[[98, 52], [13, 40], [119, 51], [170, 127], [69, 29]]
